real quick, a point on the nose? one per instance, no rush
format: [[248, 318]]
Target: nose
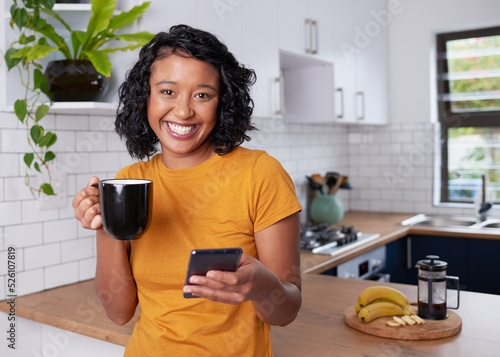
[[183, 108]]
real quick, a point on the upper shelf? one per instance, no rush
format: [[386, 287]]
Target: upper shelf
[[79, 108]]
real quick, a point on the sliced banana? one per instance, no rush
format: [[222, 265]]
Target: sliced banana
[[418, 319], [393, 323], [399, 320], [409, 320]]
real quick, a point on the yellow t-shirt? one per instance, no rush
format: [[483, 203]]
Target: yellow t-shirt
[[217, 204]]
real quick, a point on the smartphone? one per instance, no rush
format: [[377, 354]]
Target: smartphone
[[203, 260]]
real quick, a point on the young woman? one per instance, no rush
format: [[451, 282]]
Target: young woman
[[189, 96]]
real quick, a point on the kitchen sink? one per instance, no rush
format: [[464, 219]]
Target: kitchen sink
[[442, 221], [490, 224], [439, 221]]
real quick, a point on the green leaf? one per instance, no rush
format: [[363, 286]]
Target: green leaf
[[47, 189], [56, 16], [37, 167], [101, 62], [21, 109], [102, 11], [52, 140], [36, 133], [11, 62], [40, 82], [48, 31], [41, 111], [28, 159], [45, 139], [24, 40], [20, 17], [48, 3], [49, 156], [141, 37], [36, 52], [126, 18]]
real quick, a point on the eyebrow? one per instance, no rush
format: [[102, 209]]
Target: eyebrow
[[199, 85]]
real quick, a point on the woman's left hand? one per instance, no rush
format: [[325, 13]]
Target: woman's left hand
[[252, 280]]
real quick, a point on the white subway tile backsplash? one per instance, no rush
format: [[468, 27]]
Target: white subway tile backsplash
[[102, 123], [91, 141], [31, 214], [59, 230], [86, 269], [24, 235], [42, 256], [76, 249], [16, 189], [30, 281], [60, 275], [72, 122], [65, 141], [104, 162], [10, 213], [14, 141], [9, 164]]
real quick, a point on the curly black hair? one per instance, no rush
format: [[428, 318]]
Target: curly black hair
[[235, 105]]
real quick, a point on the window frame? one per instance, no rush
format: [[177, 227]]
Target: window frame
[[448, 119]]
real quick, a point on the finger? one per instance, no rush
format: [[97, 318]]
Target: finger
[[232, 298], [208, 282], [94, 180]]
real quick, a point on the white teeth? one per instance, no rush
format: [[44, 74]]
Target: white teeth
[[181, 129]]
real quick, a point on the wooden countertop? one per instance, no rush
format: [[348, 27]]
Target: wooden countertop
[[319, 329], [388, 225]]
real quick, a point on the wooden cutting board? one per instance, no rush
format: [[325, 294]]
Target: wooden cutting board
[[432, 329]]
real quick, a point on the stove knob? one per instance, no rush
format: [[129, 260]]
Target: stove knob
[[376, 263], [350, 276]]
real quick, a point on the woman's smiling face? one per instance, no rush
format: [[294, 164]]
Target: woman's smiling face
[[182, 109]]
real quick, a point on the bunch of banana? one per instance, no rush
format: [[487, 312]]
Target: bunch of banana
[[379, 301]]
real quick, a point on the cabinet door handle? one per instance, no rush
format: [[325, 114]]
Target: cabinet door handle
[[361, 95], [314, 24], [409, 264], [308, 35], [341, 91], [281, 109]]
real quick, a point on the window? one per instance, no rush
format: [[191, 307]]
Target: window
[[469, 114]]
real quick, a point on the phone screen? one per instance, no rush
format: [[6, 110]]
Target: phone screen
[[203, 260]]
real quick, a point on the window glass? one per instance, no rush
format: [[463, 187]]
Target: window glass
[[473, 73], [473, 151]]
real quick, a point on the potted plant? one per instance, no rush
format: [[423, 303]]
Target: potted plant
[[87, 49]]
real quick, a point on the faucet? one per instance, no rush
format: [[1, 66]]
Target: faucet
[[484, 206]]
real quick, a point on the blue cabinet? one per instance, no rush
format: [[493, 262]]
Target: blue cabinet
[[474, 261]]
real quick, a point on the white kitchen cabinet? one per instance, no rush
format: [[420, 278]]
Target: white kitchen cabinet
[[260, 52], [308, 89], [305, 27], [361, 61], [372, 67]]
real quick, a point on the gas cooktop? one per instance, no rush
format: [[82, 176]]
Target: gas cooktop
[[322, 239]]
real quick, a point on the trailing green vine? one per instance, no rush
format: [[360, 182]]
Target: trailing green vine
[[23, 54]]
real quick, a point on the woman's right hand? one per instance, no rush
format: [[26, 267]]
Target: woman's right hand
[[87, 206]]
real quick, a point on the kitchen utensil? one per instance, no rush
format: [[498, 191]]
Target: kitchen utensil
[[315, 185], [331, 179], [125, 207], [336, 187], [432, 290]]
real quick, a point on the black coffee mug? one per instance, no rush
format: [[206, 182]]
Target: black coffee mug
[[125, 206]]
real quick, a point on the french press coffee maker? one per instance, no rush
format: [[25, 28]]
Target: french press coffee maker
[[432, 290]]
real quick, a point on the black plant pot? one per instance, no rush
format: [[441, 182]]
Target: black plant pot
[[74, 81]]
